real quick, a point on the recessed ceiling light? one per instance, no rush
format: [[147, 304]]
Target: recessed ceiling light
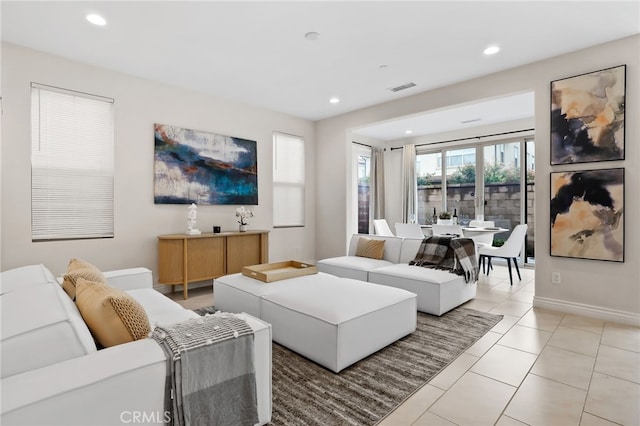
[[408, 132], [96, 19], [334, 100], [491, 50], [312, 36], [383, 67]]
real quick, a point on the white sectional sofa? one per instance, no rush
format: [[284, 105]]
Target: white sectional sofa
[[53, 374], [356, 267], [438, 291]]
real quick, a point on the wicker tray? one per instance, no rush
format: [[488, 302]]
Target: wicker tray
[[269, 272]]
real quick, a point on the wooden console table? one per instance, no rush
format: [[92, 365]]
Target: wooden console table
[[183, 259]]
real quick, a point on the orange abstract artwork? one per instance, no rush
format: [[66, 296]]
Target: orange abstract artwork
[[587, 214]]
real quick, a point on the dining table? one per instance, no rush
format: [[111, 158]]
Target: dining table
[[482, 235]]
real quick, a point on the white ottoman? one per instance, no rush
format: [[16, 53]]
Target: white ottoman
[[330, 320], [238, 293], [438, 291]]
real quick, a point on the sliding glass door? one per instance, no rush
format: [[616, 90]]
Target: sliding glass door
[[446, 186], [362, 181], [429, 176], [530, 204], [502, 187], [460, 174], [489, 181]]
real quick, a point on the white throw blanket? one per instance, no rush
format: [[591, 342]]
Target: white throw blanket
[[210, 371]]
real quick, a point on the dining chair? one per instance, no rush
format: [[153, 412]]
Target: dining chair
[[447, 229], [381, 228], [409, 230], [509, 251], [486, 239]]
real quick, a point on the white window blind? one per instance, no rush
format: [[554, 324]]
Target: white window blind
[[288, 180], [72, 158]]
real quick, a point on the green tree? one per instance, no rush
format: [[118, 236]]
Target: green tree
[[464, 174], [426, 179], [364, 181], [493, 173]]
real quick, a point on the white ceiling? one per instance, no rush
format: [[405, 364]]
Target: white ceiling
[[256, 52], [457, 117]]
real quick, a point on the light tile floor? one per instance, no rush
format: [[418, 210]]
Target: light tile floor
[[536, 367]]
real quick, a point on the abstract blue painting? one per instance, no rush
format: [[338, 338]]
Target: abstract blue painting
[[192, 166]]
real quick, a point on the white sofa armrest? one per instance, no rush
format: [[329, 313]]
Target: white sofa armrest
[[130, 279], [128, 380]]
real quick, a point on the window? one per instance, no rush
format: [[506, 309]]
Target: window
[[462, 157], [72, 161], [494, 191], [288, 180], [363, 185]]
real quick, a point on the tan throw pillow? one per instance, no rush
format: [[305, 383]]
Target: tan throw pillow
[[368, 247], [112, 315], [80, 269]]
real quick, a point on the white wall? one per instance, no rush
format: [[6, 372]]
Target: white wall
[[138, 104], [594, 287]]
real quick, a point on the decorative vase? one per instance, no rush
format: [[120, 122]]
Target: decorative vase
[[243, 228], [445, 221]]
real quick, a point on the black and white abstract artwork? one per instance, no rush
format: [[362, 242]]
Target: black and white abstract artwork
[[587, 214], [587, 117]]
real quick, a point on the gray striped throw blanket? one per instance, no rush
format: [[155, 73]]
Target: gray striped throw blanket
[[210, 372], [456, 255]]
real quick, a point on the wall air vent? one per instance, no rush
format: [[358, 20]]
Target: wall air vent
[[403, 87], [472, 120]]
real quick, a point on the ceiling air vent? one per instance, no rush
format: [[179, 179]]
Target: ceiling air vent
[[403, 87]]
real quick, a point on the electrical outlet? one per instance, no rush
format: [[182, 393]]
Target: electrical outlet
[[556, 278]]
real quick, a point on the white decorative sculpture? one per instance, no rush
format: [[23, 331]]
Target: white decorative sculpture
[[192, 213]]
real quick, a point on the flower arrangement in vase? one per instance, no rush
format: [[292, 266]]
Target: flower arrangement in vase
[[243, 214]]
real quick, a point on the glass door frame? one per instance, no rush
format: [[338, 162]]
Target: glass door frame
[[521, 139], [359, 149]]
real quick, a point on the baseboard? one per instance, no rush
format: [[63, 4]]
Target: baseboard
[[599, 312]]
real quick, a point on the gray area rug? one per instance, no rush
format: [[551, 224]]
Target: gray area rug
[[305, 393]]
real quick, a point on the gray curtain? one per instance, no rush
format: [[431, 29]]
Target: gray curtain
[[377, 184], [409, 184]]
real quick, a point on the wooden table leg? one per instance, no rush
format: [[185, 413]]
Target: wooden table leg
[[185, 262]]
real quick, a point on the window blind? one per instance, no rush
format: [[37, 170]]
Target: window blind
[[72, 159], [288, 180]]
